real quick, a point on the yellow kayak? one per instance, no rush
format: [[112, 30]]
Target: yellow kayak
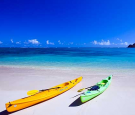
[[41, 96]]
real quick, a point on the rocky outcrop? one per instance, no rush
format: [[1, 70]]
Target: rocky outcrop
[[131, 46]]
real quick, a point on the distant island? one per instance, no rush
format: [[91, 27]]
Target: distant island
[[131, 46]]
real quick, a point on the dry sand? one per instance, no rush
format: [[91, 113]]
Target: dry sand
[[118, 99]]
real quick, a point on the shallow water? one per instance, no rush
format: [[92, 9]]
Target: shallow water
[[114, 58]]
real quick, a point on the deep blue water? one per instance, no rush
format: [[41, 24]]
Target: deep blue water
[[69, 57]]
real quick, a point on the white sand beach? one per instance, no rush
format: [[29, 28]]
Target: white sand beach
[[118, 99]]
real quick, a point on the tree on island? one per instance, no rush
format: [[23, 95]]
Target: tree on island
[[131, 46]]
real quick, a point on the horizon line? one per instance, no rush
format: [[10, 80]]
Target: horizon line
[[63, 47]]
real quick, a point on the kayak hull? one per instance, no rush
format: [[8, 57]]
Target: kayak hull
[[88, 95], [41, 96]]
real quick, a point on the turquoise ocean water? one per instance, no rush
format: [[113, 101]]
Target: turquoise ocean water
[[115, 58]]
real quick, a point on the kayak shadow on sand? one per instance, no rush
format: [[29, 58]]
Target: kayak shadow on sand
[[78, 102], [5, 112]]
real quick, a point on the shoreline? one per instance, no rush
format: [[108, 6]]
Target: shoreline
[[88, 70]]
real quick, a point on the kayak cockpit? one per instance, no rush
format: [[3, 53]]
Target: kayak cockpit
[[109, 78], [102, 83]]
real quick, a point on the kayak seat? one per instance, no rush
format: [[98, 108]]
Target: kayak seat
[[76, 80], [109, 78], [95, 87], [65, 84], [102, 83]]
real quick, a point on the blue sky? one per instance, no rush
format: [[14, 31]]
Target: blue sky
[[67, 23]]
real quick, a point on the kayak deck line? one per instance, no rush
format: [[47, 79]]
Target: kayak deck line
[[41, 96], [32, 100]]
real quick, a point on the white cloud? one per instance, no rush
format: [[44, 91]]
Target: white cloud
[[102, 42], [119, 39], [51, 43], [12, 41], [1, 42], [26, 42], [18, 42], [95, 42], [34, 41], [114, 43], [124, 43], [59, 41], [71, 42], [47, 42]]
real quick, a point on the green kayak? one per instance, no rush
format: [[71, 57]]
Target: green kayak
[[96, 90]]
